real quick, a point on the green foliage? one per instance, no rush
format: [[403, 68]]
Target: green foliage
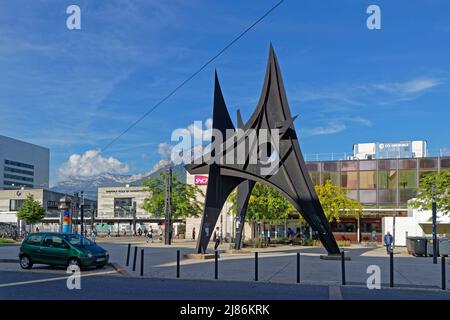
[[31, 211], [335, 202], [184, 197], [265, 204], [441, 183]]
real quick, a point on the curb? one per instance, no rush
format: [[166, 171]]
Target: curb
[[9, 260], [119, 269]]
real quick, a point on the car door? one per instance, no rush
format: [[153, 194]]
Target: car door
[[54, 250], [33, 247]]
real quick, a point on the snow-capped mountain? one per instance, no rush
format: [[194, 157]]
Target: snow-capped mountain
[[90, 184]]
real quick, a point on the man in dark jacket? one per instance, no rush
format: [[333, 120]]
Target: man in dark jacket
[[388, 239]]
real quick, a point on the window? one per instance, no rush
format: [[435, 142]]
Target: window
[[344, 226], [15, 177], [29, 173], [407, 179], [52, 204], [123, 207], [349, 180], [387, 196], [429, 163], [330, 166], [332, 176], [17, 184], [315, 178], [388, 179], [407, 164], [15, 204], [445, 163], [368, 165], [407, 194], [349, 165], [352, 194], [368, 180], [34, 240], [368, 225], [54, 242], [387, 164], [312, 166], [19, 164], [368, 196]]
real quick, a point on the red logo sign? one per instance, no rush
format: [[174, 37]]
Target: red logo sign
[[201, 180]]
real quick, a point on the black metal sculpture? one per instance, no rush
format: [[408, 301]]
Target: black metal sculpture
[[290, 176]]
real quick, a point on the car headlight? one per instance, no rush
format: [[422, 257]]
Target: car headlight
[[106, 253], [89, 255]]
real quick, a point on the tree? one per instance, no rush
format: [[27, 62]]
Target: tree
[[335, 202], [31, 211], [441, 193], [265, 204], [185, 201]]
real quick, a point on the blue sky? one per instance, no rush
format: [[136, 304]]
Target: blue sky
[[74, 91]]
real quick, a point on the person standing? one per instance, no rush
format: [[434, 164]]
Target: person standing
[[217, 238], [193, 233], [388, 239]]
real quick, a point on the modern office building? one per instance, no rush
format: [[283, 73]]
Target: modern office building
[[389, 150], [382, 186], [23, 164], [12, 200]]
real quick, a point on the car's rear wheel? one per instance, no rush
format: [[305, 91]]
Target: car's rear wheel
[[25, 262]]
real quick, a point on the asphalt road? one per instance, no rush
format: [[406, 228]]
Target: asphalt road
[[44, 286]]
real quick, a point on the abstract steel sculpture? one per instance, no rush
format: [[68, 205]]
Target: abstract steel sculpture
[[290, 178]]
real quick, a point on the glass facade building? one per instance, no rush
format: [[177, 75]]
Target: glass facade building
[[382, 186]]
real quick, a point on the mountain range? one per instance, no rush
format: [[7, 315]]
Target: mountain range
[[89, 185]]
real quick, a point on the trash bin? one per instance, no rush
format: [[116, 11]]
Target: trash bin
[[417, 246], [430, 247], [444, 247]]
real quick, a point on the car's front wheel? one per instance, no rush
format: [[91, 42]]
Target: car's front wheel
[[25, 262]]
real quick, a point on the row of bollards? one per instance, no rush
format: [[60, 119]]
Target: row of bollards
[[135, 258], [343, 273]]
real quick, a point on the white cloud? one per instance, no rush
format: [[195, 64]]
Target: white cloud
[[331, 128], [409, 87], [90, 164], [164, 150]]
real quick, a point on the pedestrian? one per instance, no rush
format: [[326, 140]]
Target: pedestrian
[[94, 233], [193, 233], [109, 232], [290, 236], [150, 235], [388, 240], [217, 238], [140, 232], [37, 229]]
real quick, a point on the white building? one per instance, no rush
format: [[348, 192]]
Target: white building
[[23, 164], [226, 221], [386, 150], [416, 224]]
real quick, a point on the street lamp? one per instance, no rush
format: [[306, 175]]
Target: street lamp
[[434, 215], [65, 219]]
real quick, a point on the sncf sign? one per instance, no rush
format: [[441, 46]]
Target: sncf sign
[[201, 180]]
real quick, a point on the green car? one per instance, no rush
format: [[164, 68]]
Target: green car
[[61, 249]]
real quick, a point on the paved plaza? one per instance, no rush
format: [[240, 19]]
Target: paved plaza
[[276, 269]]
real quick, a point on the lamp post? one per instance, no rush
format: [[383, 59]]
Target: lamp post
[[434, 213], [65, 221]]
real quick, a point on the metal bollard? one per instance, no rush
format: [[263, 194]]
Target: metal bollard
[[343, 267], [134, 260], [142, 262], [391, 268], [216, 265], [298, 267], [178, 263], [128, 254], [444, 280], [256, 266]]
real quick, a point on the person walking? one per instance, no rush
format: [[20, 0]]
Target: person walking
[[290, 234], [217, 238], [193, 233], [94, 234], [388, 240], [150, 235]]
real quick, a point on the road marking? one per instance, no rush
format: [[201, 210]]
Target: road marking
[[11, 284], [334, 293]]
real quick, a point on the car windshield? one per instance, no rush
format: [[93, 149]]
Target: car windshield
[[78, 240]]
